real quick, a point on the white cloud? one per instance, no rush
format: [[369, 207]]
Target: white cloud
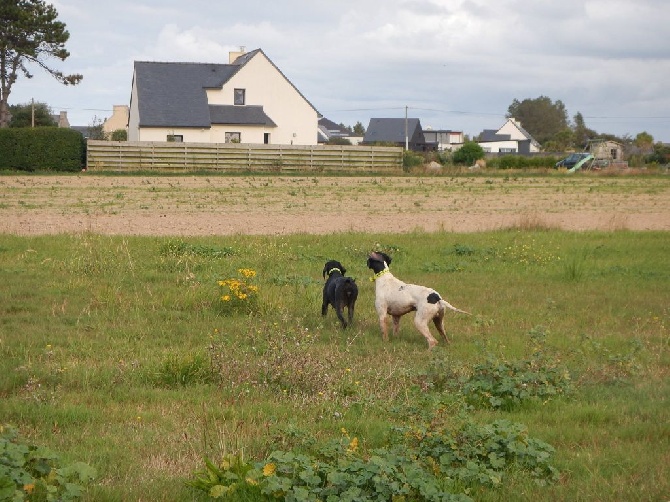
[[601, 58]]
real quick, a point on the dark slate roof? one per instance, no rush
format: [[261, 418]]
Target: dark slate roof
[[243, 115], [391, 130], [174, 94], [490, 135], [331, 129]]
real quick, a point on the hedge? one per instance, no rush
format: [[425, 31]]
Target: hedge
[[42, 149]]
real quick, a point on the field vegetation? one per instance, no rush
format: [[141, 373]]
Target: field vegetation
[[183, 368]]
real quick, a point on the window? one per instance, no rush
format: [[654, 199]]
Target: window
[[175, 138], [239, 96], [233, 137], [266, 138]]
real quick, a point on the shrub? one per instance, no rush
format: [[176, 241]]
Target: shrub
[[411, 159], [29, 472], [41, 148], [119, 135], [421, 463], [468, 154]]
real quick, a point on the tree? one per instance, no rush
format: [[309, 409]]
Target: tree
[[582, 133], [645, 142], [95, 130], [469, 153], [22, 115], [541, 117], [29, 34], [359, 129]]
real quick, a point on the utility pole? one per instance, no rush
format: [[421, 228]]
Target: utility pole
[[406, 137], [32, 112]]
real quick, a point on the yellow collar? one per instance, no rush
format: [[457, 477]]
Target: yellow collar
[[379, 274]]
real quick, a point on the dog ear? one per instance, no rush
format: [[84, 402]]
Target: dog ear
[[325, 269], [343, 270], [387, 258]]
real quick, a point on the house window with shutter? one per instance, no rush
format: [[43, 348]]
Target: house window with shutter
[[239, 96]]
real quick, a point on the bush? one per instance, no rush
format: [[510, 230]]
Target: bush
[[42, 148], [421, 463], [411, 159], [30, 472], [119, 135], [468, 154]]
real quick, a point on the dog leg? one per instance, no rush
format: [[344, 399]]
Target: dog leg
[[338, 310], [439, 324], [382, 325], [422, 327], [351, 312], [324, 305], [396, 325]]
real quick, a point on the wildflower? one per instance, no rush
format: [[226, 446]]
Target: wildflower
[[269, 469], [29, 488], [226, 298], [353, 445]]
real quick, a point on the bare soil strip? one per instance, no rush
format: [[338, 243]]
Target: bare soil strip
[[275, 205]]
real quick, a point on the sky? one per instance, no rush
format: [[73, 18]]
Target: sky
[[454, 64]]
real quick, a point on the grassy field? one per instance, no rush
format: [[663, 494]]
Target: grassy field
[[121, 352]]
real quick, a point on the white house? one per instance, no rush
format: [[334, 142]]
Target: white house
[[510, 138], [248, 100]]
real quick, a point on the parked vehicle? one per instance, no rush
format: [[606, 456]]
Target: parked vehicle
[[573, 159]]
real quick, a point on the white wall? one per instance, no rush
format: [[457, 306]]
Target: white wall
[[296, 120]]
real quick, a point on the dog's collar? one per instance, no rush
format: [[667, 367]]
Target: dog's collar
[[379, 274], [333, 270]]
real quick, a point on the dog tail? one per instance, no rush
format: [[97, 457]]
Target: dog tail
[[445, 303], [349, 287]]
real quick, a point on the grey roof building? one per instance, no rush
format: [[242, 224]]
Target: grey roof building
[[396, 131]]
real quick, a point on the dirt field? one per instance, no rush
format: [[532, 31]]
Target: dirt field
[[220, 205]]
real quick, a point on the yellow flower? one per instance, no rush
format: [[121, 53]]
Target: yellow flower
[[353, 445], [269, 469], [226, 298], [29, 488]]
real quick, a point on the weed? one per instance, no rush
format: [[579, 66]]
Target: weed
[[29, 472]]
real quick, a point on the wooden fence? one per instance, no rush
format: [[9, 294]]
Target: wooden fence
[[132, 156]]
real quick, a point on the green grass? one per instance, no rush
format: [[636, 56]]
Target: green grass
[[118, 351]]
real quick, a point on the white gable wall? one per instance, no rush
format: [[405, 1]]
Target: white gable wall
[[264, 85], [510, 128]]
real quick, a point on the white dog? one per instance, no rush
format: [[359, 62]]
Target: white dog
[[396, 298]]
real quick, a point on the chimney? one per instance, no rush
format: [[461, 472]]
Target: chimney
[[62, 120], [233, 55]]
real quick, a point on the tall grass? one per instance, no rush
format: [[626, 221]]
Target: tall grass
[[119, 351]]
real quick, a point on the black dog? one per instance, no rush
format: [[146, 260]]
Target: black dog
[[339, 291]]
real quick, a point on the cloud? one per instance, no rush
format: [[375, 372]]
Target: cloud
[[456, 63]]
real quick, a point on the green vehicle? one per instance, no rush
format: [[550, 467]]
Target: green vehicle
[[575, 161]]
